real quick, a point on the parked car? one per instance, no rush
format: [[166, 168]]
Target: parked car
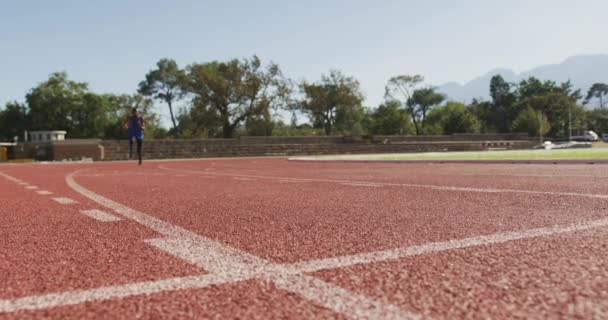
[[605, 137], [586, 136]]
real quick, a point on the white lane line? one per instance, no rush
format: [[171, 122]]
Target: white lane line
[[292, 181], [406, 185], [195, 282], [31, 187], [361, 184], [524, 175], [44, 192], [223, 260], [338, 299], [100, 215], [110, 292], [11, 178], [243, 179], [398, 253], [64, 200]]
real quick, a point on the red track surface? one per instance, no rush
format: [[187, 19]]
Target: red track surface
[[268, 238]]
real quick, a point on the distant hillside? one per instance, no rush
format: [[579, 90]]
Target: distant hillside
[[583, 71]]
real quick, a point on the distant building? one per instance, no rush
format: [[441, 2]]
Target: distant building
[[45, 136]]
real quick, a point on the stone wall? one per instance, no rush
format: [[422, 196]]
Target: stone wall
[[266, 146], [162, 149]]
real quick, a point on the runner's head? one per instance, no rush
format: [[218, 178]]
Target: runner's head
[[134, 111]]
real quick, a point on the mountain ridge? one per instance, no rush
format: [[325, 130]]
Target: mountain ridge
[[582, 70]]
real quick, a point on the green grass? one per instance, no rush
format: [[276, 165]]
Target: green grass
[[564, 154]]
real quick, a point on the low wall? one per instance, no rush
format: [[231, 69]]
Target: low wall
[[162, 149], [262, 146]]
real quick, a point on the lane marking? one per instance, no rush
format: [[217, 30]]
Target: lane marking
[[31, 187], [100, 215], [361, 184], [226, 261], [64, 200], [407, 185], [44, 192], [433, 247], [243, 179], [11, 178], [110, 292], [315, 291]]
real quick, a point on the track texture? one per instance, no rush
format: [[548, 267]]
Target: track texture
[[269, 238]]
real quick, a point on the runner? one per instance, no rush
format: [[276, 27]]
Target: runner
[[135, 126]]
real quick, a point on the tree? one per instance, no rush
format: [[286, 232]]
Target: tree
[[62, 104], [14, 120], [598, 91], [401, 88], [503, 108], [260, 124], [484, 111], [560, 110], [420, 103], [390, 119], [163, 84], [235, 91], [333, 98], [598, 120], [535, 123], [452, 118]]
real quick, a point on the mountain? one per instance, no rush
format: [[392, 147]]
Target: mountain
[[583, 71]]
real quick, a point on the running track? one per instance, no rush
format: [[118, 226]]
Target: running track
[[269, 238]]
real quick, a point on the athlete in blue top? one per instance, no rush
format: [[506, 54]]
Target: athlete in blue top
[[135, 126]]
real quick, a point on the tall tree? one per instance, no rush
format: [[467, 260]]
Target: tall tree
[[452, 118], [401, 89], [163, 83], [420, 103], [334, 94], [503, 108], [62, 104], [235, 91], [390, 119], [14, 120], [598, 91], [533, 122]]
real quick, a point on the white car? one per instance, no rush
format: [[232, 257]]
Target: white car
[[586, 136]]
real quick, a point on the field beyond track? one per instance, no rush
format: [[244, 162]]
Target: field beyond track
[[517, 155]]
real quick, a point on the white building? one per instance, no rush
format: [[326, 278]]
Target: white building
[[44, 136]]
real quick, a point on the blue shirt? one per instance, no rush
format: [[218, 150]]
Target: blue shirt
[[135, 131]]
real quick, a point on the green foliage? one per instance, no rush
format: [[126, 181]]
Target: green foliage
[[282, 130], [558, 108], [62, 104], [597, 120], [420, 104], [164, 83], [390, 119], [14, 120], [233, 91], [335, 100], [260, 124], [452, 118], [533, 122], [598, 91], [503, 109]]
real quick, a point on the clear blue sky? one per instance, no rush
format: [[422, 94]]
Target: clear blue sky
[[112, 44]]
